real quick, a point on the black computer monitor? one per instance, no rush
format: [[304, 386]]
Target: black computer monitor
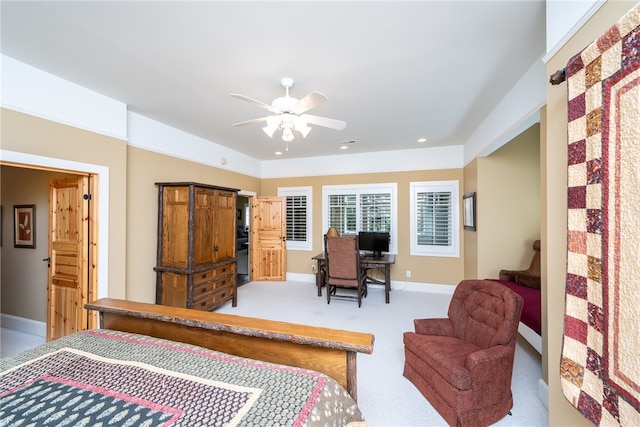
[[374, 241]]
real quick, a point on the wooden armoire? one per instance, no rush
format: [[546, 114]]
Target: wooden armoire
[[196, 263]]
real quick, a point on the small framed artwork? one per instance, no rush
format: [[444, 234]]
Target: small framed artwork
[[469, 201], [24, 226], [239, 214]]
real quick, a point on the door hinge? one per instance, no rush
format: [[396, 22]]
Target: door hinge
[[87, 196]]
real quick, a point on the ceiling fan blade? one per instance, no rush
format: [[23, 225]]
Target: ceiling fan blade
[[324, 121], [253, 101], [308, 102], [251, 122]]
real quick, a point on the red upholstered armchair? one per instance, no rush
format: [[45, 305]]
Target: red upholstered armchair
[[463, 363]]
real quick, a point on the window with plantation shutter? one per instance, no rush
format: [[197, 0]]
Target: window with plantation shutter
[[298, 206], [434, 218], [342, 213], [297, 218], [375, 212], [354, 208]]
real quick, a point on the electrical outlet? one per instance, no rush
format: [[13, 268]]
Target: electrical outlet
[[408, 273]]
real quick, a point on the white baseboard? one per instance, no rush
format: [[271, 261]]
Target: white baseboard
[[25, 325], [395, 285], [433, 288], [531, 336], [543, 393], [302, 277]]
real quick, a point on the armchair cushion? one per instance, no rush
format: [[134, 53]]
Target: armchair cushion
[[446, 355], [433, 326], [485, 314]]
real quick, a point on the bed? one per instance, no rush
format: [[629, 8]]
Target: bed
[[531, 319], [143, 368]]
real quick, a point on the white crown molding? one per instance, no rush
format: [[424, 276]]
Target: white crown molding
[[151, 135], [29, 90], [564, 19]]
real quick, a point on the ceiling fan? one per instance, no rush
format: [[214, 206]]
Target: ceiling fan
[[289, 114]]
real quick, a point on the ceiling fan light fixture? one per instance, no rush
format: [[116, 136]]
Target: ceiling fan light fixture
[[269, 130], [287, 134], [273, 123], [304, 131], [288, 114], [301, 126]]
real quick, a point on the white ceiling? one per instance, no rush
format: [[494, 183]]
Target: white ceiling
[[394, 71]]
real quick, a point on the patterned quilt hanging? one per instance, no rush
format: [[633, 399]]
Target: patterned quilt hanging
[[600, 365]]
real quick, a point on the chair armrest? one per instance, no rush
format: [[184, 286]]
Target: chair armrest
[[491, 370], [433, 326]]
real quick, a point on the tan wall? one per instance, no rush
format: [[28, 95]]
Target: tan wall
[[23, 284], [31, 135], [561, 413], [507, 187], [508, 202], [433, 270], [144, 169]]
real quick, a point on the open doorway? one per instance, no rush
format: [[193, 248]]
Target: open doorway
[[242, 238], [44, 273]]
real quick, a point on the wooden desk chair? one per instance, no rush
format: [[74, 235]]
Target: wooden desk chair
[[343, 268]]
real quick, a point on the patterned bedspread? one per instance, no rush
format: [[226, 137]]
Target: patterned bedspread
[[101, 377]]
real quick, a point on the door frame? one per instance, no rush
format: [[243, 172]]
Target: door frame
[[101, 173], [250, 195]]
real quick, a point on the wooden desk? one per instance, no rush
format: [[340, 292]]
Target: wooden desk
[[382, 264]]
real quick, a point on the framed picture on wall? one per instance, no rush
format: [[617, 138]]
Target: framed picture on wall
[[24, 226], [469, 202]]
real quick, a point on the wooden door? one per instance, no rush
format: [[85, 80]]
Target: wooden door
[[203, 226], [71, 281], [268, 238], [175, 227], [225, 225]]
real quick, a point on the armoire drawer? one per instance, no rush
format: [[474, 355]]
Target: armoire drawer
[[212, 285], [211, 299], [222, 295], [207, 275]]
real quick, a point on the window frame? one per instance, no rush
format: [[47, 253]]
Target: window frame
[[306, 191], [358, 189], [452, 186]]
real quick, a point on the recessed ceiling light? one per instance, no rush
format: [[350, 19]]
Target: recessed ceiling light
[[344, 145], [422, 140], [278, 153]]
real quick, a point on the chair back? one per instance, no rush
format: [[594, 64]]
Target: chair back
[[342, 260], [485, 313]]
